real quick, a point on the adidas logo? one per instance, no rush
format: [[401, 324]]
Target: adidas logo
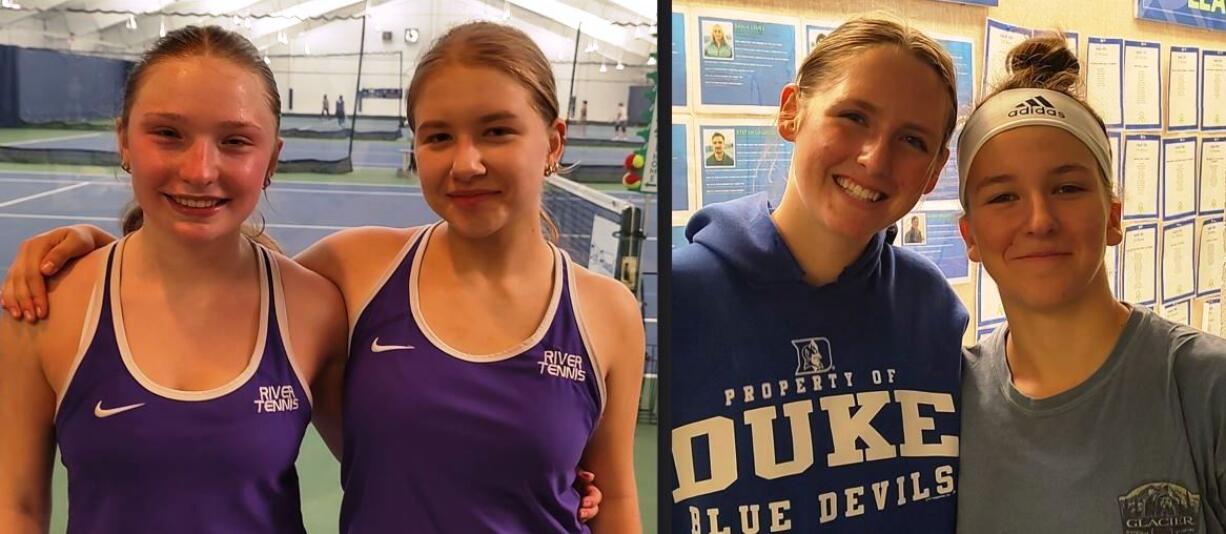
[[1036, 106]]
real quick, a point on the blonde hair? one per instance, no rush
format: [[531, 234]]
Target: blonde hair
[[1045, 62], [822, 66], [497, 46]]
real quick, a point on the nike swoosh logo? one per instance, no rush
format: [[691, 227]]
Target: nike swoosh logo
[[376, 347], [101, 412]]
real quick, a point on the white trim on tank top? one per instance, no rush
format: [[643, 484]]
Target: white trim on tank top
[[89, 327], [125, 351], [283, 322], [387, 275], [416, 313], [583, 334]]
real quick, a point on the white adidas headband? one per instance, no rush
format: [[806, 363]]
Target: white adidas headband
[[1015, 108]]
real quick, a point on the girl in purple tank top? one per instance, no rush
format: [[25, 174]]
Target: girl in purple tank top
[[485, 366], [170, 376]]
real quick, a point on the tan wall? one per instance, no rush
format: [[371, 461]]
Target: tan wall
[[1097, 18]]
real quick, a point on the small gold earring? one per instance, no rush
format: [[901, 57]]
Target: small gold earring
[[127, 167], [551, 169]]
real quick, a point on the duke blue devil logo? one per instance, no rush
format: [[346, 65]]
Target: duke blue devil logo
[[813, 355]]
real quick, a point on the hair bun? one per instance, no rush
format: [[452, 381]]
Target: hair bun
[[1044, 62]]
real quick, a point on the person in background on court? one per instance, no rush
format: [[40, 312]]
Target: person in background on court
[[552, 380], [1081, 413], [340, 110], [619, 122], [914, 233], [718, 46], [325, 112], [718, 157], [820, 366], [582, 120]]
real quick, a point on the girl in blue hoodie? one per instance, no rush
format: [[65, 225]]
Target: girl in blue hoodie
[[815, 368]]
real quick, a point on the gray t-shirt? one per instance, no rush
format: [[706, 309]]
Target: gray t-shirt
[[1139, 447]]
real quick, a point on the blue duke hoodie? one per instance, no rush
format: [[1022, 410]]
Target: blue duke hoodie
[[803, 408]]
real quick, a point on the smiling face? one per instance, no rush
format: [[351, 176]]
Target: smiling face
[[201, 140], [868, 145], [717, 35], [482, 148], [1039, 216]]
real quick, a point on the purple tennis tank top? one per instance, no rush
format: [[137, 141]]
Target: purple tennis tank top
[[437, 440], [145, 458]]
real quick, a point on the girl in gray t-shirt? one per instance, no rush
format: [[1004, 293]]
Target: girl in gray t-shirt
[[1083, 413]]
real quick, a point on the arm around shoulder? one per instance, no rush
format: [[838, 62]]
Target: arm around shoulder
[[354, 258], [338, 254], [25, 291], [615, 331]]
